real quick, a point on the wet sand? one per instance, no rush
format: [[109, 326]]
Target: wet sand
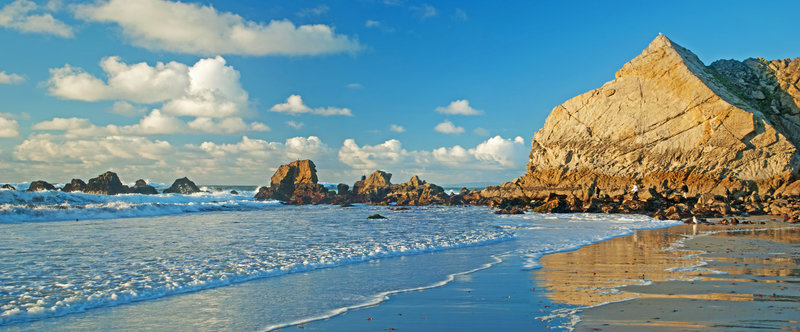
[[727, 278]]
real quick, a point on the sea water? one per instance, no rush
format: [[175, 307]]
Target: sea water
[[73, 258]]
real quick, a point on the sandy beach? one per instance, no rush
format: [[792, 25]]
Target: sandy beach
[[740, 277], [682, 278]]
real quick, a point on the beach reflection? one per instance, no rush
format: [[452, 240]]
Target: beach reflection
[[598, 273]]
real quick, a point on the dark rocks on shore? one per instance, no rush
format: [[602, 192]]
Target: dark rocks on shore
[[376, 216], [182, 186], [107, 183], [40, 186], [8, 187], [295, 183], [141, 187], [74, 185]]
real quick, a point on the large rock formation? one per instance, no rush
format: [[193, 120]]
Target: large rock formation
[[297, 179], [667, 120], [40, 185], [107, 183], [417, 192], [182, 186], [141, 187], [74, 185]]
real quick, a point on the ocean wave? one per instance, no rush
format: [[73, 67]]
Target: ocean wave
[[20, 206]]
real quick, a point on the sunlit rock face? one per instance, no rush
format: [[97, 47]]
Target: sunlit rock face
[[668, 119]]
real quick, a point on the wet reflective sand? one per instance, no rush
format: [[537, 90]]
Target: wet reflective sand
[[728, 278]]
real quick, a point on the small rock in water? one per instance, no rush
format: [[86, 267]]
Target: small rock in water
[[376, 216]]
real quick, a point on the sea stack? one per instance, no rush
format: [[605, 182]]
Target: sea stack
[[297, 179], [667, 120]]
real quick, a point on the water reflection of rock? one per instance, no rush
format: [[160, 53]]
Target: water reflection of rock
[[598, 273], [592, 275]]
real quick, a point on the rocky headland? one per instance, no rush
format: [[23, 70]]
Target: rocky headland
[[694, 139]]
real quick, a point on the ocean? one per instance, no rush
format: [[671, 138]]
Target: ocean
[[222, 260]]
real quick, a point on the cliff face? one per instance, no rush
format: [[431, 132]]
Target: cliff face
[[667, 119]]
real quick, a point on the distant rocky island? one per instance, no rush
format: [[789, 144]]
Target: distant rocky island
[[669, 137], [109, 183]]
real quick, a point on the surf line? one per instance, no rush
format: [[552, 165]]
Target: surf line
[[384, 296]]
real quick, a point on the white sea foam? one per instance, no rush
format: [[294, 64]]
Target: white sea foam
[[69, 267], [20, 206]]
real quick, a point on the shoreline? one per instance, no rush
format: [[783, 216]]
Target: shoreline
[[707, 277], [573, 290]]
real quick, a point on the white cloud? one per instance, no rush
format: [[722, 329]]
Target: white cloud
[[305, 147], [225, 126], [448, 127], [354, 86], [370, 157], [195, 29], [397, 128], [453, 155], [294, 105], [10, 78], [372, 24], [8, 126], [295, 125], [19, 16], [258, 126], [499, 150], [155, 123], [496, 152], [214, 91], [127, 109], [459, 107], [46, 148], [247, 146], [209, 88], [316, 11], [138, 82], [425, 10], [481, 131]]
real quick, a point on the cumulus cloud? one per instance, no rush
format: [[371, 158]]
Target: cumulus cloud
[[425, 10], [46, 148], [316, 11], [209, 88], [459, 107], [214, 91], [225, 126], [10, 78], [127, 109], [294, 105], [138, 82], [295, 125], [495, 152], [210, 91], [8, 126], [155, 123], [305, 147], [452, 155], [370, 157], [196, 29], [499, 150], [397, 128], [21, 15], [447, 127]]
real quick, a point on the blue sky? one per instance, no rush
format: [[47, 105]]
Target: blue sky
[[225, 91]]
